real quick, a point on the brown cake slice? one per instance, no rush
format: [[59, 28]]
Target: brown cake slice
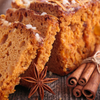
[[18, 46], [79, 30], [46, 24]]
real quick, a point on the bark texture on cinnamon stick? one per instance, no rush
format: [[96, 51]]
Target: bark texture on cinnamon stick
[[77, 91], [74, 77], [89, 69], [97, 48], [86, 73], [90, 89]]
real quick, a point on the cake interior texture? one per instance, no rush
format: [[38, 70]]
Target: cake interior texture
[[46, 24], [79, 23], [18, 47]]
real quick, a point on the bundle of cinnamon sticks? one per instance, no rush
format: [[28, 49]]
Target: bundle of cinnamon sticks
[[86, 78]]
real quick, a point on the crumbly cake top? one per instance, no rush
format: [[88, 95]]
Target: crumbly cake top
[[21, 2], [44, 13], [5, 22], [66, 5], [28, 26], [38, 38], [61, 1]]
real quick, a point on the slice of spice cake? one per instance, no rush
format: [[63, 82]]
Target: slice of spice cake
[[79, 30], [18, 46], [46, 24]]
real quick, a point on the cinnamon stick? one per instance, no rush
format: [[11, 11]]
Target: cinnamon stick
[[88, 70], [97, 48], [90, 89], [86, 74], [77, 91], [74, 77]]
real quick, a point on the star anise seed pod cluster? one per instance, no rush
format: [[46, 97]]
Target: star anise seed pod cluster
[[38, 81]]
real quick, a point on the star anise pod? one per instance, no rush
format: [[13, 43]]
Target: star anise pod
[[38, 81]]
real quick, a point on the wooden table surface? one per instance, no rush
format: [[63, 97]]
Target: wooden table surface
[[59, 87]]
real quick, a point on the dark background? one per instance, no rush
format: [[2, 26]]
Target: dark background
[[59, 87]]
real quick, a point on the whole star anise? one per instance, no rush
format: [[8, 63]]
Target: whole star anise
[[38, 81]]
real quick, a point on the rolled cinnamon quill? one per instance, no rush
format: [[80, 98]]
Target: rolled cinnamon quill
[[74, 77], [87, 73], [77, 91], [97, 48], [90, 89], [88, 70]]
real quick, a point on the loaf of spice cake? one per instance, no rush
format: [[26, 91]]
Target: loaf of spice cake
[[79, 23], [46, 24], [18, 45]]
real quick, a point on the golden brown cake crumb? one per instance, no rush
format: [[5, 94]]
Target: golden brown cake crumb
[[18, 47], [79, 24], [46, 24]]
